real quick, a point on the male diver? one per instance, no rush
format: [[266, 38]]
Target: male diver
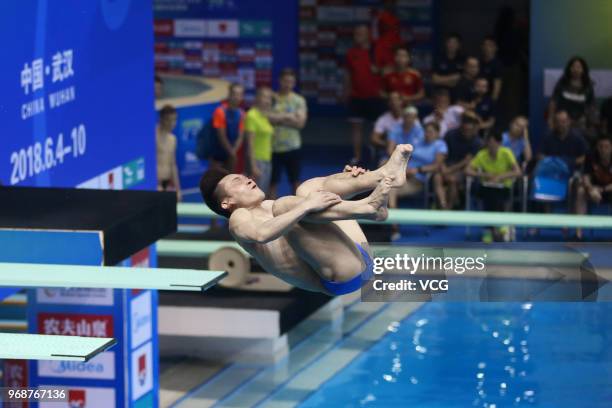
[[311, 240]]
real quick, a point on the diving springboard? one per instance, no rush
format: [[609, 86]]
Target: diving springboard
[[77, 276], [50, 347], [454, 218]]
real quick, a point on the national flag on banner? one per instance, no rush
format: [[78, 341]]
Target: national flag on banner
[[223, 28]]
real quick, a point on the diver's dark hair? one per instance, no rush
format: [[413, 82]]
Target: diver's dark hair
[[208, 187]]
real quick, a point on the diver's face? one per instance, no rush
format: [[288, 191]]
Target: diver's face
[[238, 191]]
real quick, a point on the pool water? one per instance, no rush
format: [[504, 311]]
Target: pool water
[[488, 355]]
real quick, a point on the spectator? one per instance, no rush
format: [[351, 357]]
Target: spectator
[[605, 117], [388, 37], [573, 93], [517, 140], [483, 105], [403, 79], [259, 133], [228, 125], [291, 114], [463, 143], [159, 87], [491, 67], [447, 71], [596, 185], [362, 88], [409, 131], [427, 159], [384, 125], [496, 167], [564, 141], [464, 92], [447, 116], [165, 141]]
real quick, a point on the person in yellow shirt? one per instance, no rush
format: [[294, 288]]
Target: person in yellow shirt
[[259, 133], [496, 168]]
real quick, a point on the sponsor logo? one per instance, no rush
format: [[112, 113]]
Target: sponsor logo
[[190, 28], [77, 398], [163, 28], [75, 324], [255, 29], [142, 371], [133, 172], [15, 373], [75, 296], [102, 367], [81, 397], [141, 321], [223, 28]]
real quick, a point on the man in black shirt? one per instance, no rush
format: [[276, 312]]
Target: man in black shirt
[[463, 144], [491, 67], [484, 106], [564, 141], [464, 92], [449, 66]]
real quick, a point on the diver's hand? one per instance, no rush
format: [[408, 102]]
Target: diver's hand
[[321, 200]]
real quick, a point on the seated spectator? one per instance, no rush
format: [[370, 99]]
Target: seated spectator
[[448, 69], [573, 93], [491, 66], [167, 171], [517, 140], [483, 105], [596, 185], [563, 151], [605, 117], [409, 131], [228, 125], [259, 133], [447, 116], [403, 79], [564, 141], [427, 159], [383, 127], [463, 143], [464, 92], [496, 167], [362, 87]]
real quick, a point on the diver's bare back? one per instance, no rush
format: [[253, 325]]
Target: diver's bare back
[[277, 256]]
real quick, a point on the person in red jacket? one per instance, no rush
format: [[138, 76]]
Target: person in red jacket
[[362, 87], [388, 36], [404, 79]]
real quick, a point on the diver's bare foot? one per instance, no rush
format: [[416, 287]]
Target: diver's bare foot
[[377, 200], [395, 168]]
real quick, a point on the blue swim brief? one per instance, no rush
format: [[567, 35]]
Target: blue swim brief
[[342, 288]]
